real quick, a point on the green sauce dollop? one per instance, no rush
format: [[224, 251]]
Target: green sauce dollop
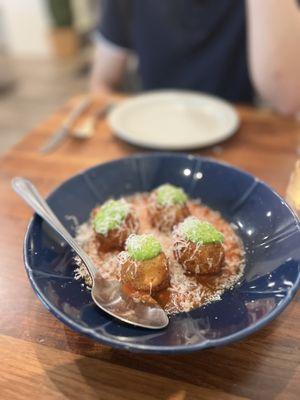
[[143, 247], [110, 216], [168, 195], [200, 232]]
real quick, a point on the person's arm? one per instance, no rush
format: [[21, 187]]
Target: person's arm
[[274, 52], [112, 44], [109, 66]]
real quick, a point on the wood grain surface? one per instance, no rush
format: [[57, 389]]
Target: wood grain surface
[[43, 359]]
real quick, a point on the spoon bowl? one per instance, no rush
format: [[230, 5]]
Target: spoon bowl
[[110, 297]]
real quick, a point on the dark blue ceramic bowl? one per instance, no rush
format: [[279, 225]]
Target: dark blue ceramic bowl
[[269, 229]]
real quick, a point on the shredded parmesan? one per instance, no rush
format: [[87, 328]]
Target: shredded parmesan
[[186, 292]]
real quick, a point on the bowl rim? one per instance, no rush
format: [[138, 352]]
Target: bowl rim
[[169, 349]]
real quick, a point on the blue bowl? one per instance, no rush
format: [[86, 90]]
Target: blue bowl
[[269, 229]]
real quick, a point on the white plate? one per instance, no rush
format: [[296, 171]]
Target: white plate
[[173, 120]]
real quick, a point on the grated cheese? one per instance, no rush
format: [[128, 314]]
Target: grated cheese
[[186, 292]]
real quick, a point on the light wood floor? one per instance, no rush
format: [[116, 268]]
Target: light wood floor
[[41, 86]]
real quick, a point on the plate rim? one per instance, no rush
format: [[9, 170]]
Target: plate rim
[[155, 349], [118, 132]]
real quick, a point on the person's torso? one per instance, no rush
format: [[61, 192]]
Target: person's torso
[[192, 44]]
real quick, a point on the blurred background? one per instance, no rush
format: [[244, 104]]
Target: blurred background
[[45, 56], [47, 49]]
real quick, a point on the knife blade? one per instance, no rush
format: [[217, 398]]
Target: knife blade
[[64, 130]]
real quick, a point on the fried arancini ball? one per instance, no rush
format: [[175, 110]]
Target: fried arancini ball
[[167, 207], [145, 267], [199, 259], [198, 247], [148, 275], [113, 223], [115, 238]]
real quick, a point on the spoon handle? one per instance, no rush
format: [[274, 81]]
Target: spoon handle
[[25, 189]]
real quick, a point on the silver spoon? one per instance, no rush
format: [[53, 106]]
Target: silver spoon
[[107, 294]]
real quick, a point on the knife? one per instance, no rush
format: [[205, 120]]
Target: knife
[[87, 127], [64, 130]]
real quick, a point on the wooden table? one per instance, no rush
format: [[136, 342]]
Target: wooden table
[[43, 359]]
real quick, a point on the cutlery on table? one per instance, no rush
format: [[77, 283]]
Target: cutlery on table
[[87, 127], [107, 294], [65, 128]]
